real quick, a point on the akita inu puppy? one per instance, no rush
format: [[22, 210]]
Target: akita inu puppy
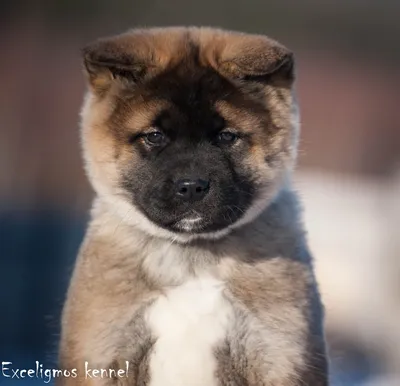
[[195, 269]]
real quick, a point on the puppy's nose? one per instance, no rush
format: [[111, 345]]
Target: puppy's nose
[[191, 190]]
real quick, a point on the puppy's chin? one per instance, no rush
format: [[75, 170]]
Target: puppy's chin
[[186, 230]]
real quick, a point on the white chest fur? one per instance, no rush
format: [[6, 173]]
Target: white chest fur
[[188, 321]]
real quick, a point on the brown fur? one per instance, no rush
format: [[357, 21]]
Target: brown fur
[[276, 338]]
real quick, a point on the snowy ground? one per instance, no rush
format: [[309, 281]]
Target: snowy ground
[[354, 235]]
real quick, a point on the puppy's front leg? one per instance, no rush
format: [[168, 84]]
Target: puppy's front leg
[[128, 365], [107, 342], [277, 337], [237, 369]]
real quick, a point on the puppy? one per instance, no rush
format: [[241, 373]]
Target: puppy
[[195, 269]]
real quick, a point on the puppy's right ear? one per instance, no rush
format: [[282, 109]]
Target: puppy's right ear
[[110, 62]]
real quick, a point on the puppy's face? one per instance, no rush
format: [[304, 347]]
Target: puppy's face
[[188, 132]]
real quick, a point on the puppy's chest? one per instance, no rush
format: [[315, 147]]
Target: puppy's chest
[[188, 323]]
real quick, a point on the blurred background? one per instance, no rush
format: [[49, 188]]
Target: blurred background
[[348, 57]]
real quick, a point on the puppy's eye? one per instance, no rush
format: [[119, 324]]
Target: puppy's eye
[[155, 138], [226, 138]]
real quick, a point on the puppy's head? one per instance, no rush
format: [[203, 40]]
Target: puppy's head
[[188, 132]]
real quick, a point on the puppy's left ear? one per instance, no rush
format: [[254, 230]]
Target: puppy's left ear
[[257, 57]]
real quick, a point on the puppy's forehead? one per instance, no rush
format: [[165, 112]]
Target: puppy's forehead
[[190, 96], [189, 93]]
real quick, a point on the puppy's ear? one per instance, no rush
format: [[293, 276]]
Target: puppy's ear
[[256, 58], [108, 62]]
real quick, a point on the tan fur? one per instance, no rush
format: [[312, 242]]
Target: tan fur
[[126, 263]]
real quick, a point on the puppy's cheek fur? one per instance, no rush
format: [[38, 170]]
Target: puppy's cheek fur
[[268, 175]]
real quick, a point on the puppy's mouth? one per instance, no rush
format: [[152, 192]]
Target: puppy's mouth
[[192, 222], [195, 222]]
